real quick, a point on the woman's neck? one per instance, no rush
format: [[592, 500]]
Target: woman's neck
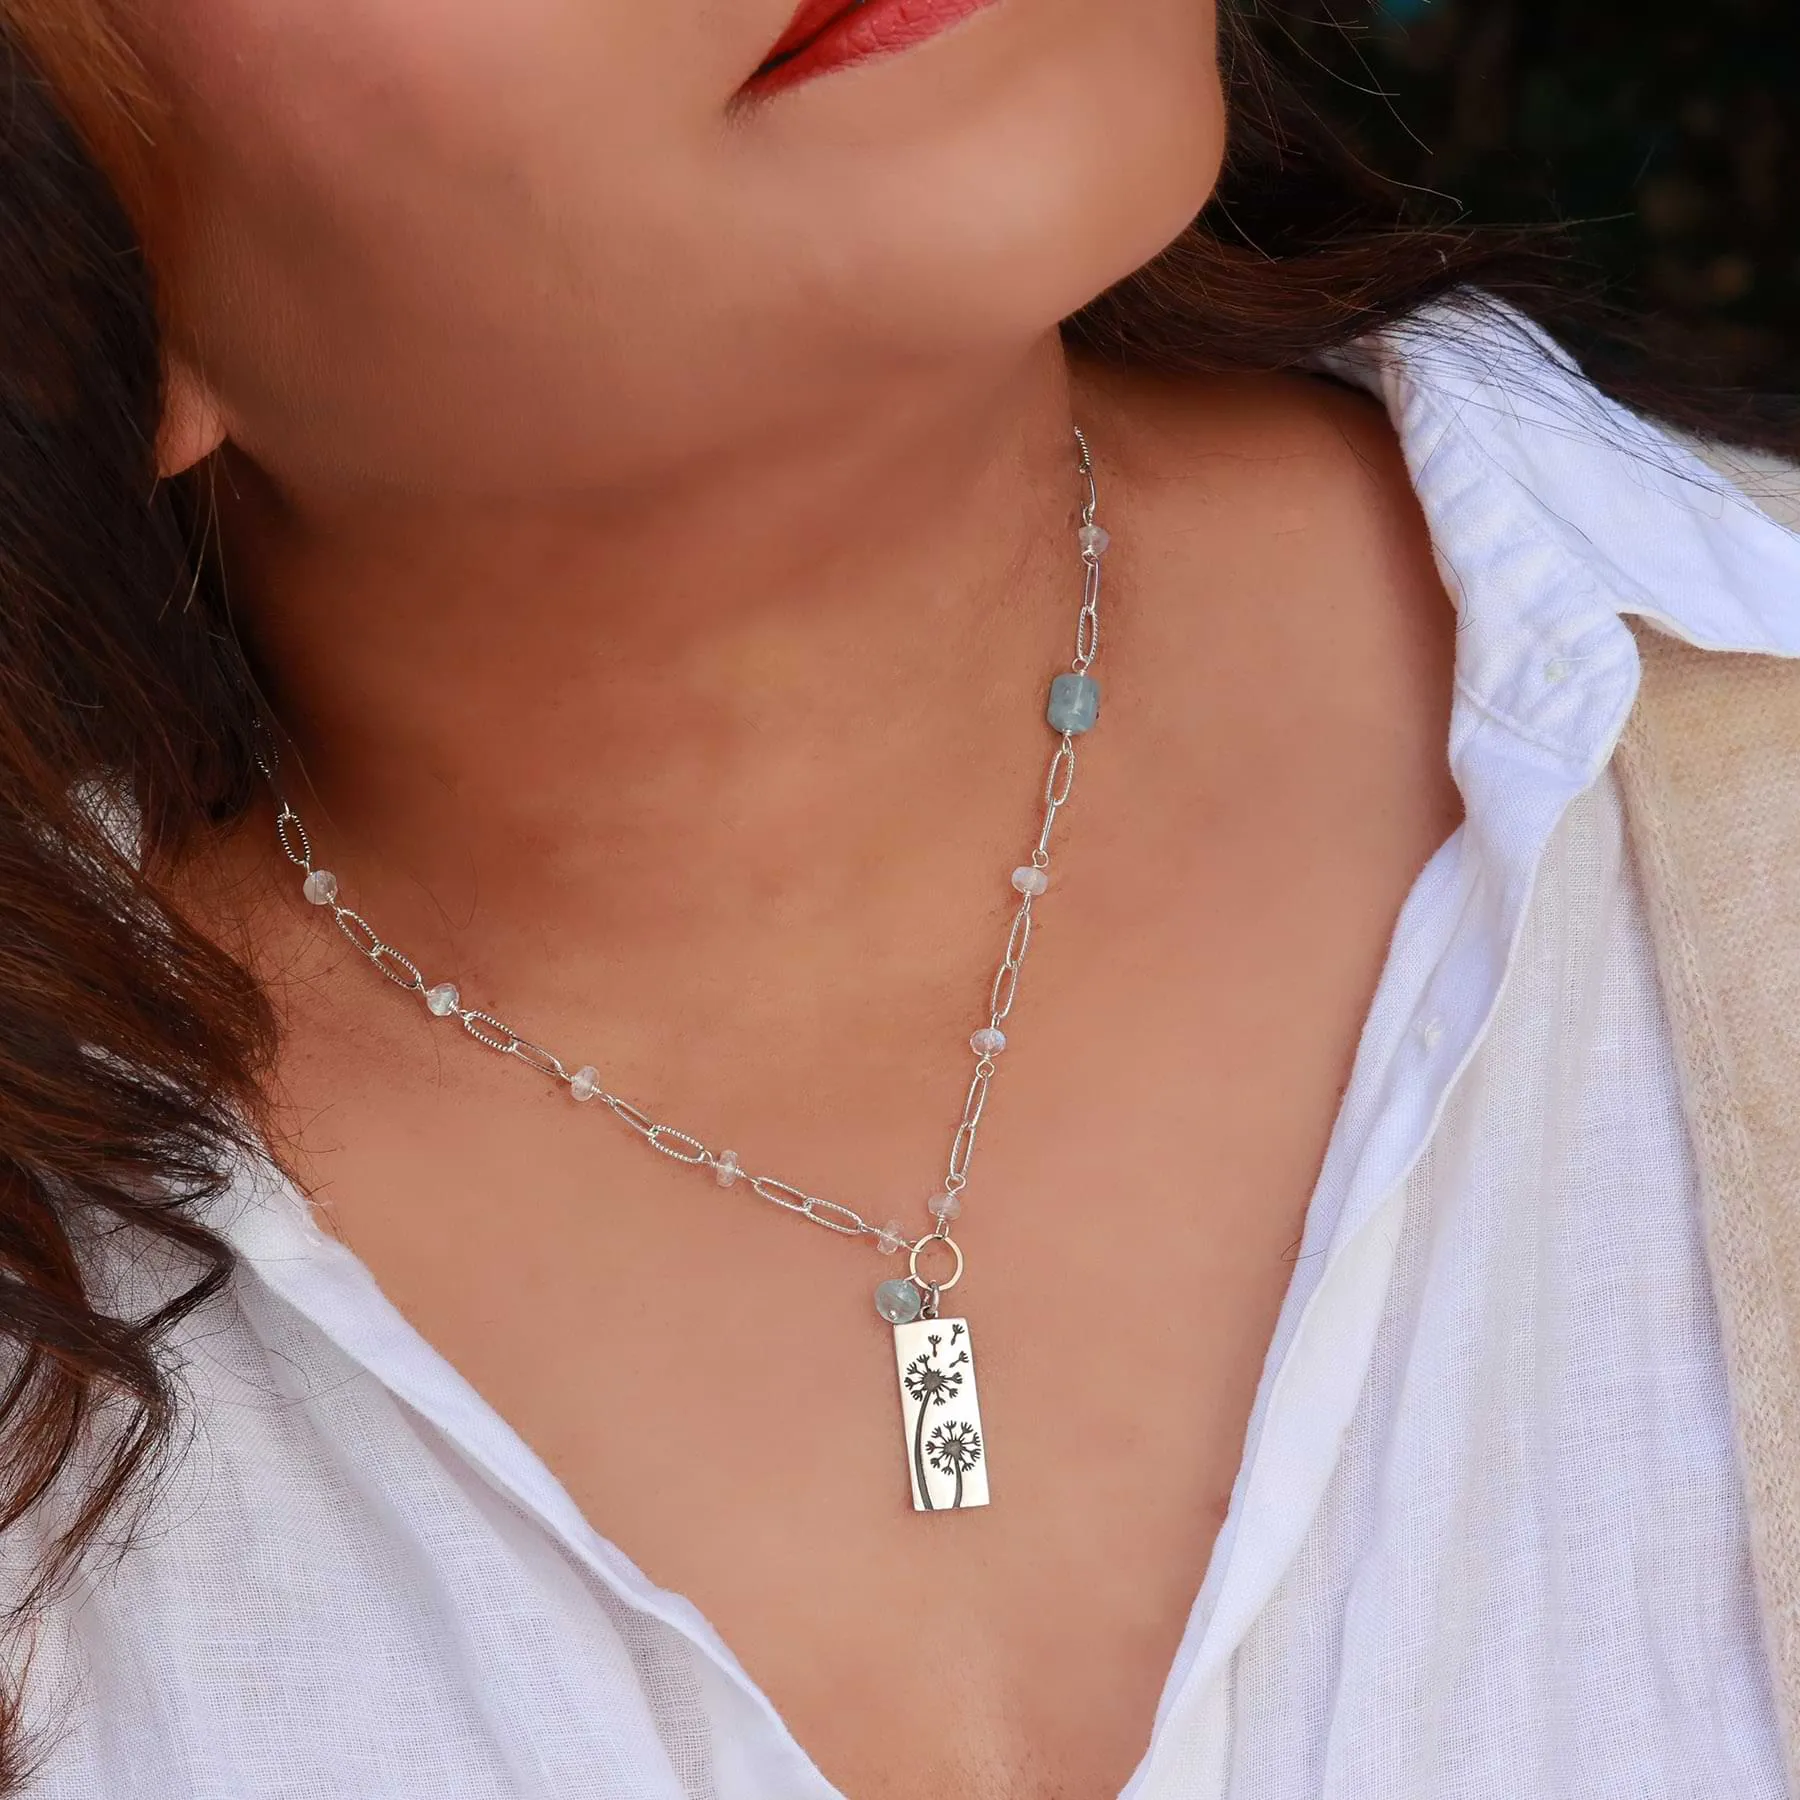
[[783, 648]]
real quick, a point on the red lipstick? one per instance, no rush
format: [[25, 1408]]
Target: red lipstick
[[835, 34]]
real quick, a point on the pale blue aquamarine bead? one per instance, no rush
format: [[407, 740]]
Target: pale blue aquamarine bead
[[899, 1302], [1074, 703]]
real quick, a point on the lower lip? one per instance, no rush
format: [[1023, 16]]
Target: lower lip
[[875, 29]]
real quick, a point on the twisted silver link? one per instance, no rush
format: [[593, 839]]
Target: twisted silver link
[[836, 1218], [400, 969], [484, 1028], [362, 935], [1087, 621], [676, 1144], [296, 846], [830, 1215]]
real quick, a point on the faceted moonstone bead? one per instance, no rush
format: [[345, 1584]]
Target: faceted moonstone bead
[[1094, 540], [443, 999], [893, 1237], [1029, 880], [945, 1206], [990, 1040], [727, 1169], [1074, 703], [584, 1084], [320, 887], [899, 1302]]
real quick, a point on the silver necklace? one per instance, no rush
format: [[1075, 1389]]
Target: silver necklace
[[933, 1355]]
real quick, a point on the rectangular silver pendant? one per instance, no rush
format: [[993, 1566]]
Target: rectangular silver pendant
[[945, 1451]]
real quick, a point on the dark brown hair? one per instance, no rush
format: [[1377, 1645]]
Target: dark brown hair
[[130, 1047]]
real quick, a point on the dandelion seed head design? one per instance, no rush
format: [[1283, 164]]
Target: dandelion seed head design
[[930, 1385], [954, 1449]]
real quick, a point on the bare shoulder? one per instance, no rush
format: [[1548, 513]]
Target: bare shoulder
[[1271, 527], [1294, 460]]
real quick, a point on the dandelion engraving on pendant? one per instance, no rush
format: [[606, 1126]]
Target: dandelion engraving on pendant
[[937, 1381], [954, 1449]]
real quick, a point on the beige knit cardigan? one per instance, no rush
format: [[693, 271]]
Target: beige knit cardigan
[[1710, 770]]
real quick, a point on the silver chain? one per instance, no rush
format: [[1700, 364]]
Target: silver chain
[[444, 1001]]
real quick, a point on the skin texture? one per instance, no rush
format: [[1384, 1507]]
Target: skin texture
[[656, 511]]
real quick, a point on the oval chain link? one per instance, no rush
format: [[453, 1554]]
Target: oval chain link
[[830, 1215], [296, 846], [400, 969]]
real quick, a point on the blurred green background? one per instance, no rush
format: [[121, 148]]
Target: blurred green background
[[1667, 134]]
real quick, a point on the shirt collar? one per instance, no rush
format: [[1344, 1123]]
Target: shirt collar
[[1554, 511]]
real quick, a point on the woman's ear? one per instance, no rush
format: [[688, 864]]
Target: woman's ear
[[193, 421]]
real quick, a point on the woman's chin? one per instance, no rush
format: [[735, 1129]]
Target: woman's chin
[[996, 202]]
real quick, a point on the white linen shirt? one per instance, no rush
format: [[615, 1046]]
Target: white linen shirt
[[1487, 1541]]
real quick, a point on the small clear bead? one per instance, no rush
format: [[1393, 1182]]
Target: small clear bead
[[945, 1206], [990, 1040], [899, 1302], [1029, 880], [443, 1000], [584, 1084], [320, 887], [893, 1237], [727, 1168], [1094, 540]]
